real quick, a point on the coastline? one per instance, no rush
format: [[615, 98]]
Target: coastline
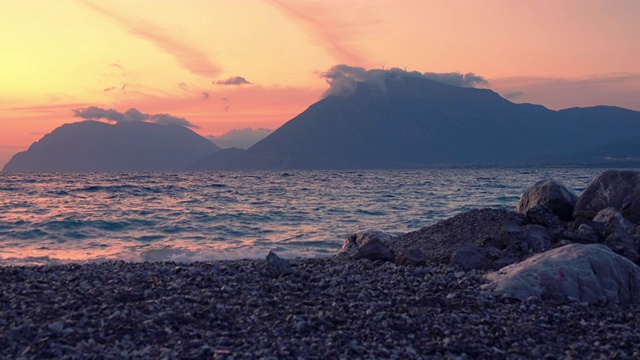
[[326, 308]]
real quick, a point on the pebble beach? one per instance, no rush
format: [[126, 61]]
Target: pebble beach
[[325, 309]]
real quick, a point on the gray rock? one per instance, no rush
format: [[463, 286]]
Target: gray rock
[[588, 273], [375, 249], [524, 240], [550, 194], [611, 214], [612, 188], [540, 215], [617, 233], [277, 266], [355, 241], [56, 327], [411, 256], [586, 234], [468, 257]]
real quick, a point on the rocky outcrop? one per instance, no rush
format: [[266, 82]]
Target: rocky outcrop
[[586, 273], [550, 194], [479, 227], [613, 188], [494, 238]]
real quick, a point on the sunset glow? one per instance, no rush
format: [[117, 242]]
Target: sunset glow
[[176, 57]]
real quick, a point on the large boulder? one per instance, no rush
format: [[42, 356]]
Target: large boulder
[[587, 273], [550, 194], [613, 188], [355, 241]]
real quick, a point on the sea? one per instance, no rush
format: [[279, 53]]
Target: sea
[[200, 216]]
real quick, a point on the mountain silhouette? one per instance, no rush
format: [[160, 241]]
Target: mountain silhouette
[[415, 122], [619, 154], [125, 146]]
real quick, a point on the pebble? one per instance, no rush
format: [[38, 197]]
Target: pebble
[[324, 308]]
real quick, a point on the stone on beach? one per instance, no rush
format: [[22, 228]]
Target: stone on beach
[[375, 249], [277, 266], [540, 215], [612, 188], [355, 241], [468, 257], [589, 273], [550, 194], [410, 256]]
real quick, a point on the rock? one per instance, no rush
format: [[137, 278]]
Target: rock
[[524, 240], [479, 227], [550, 194], [611, 214], [468, 257], [612, 188], [355, 241], [56, 327], [621, 241], [617, 233], [375, 249], [410, 256], [586, 234], [540, 215], [277, 266], [588, 273]]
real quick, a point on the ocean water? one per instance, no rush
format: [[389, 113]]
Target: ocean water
[[192, 216]]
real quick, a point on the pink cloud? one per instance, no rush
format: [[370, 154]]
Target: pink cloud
[[332, 32], [191, 58]]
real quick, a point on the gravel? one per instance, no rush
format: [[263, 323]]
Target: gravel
[[326, 308]]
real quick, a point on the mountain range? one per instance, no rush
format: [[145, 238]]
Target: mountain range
[[402, 122], [416, 122]]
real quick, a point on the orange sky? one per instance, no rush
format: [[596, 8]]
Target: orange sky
[[167, 56]]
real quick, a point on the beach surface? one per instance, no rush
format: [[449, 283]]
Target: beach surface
[[326, 308]]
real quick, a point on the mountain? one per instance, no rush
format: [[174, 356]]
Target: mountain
[[619, 154], [125, 146], [411, 121]]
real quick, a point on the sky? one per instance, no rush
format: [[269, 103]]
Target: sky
[[238, 64]]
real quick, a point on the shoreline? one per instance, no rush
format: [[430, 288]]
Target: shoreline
[[327, 308]]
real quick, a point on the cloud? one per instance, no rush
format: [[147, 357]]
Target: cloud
[[116, 65], [96, 113], [512, 94], [134, 115], [343, 79], [240, 138], [457, 79], [131, 115], [329, 29], [234, 80], [166, 119], [191, 58]]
